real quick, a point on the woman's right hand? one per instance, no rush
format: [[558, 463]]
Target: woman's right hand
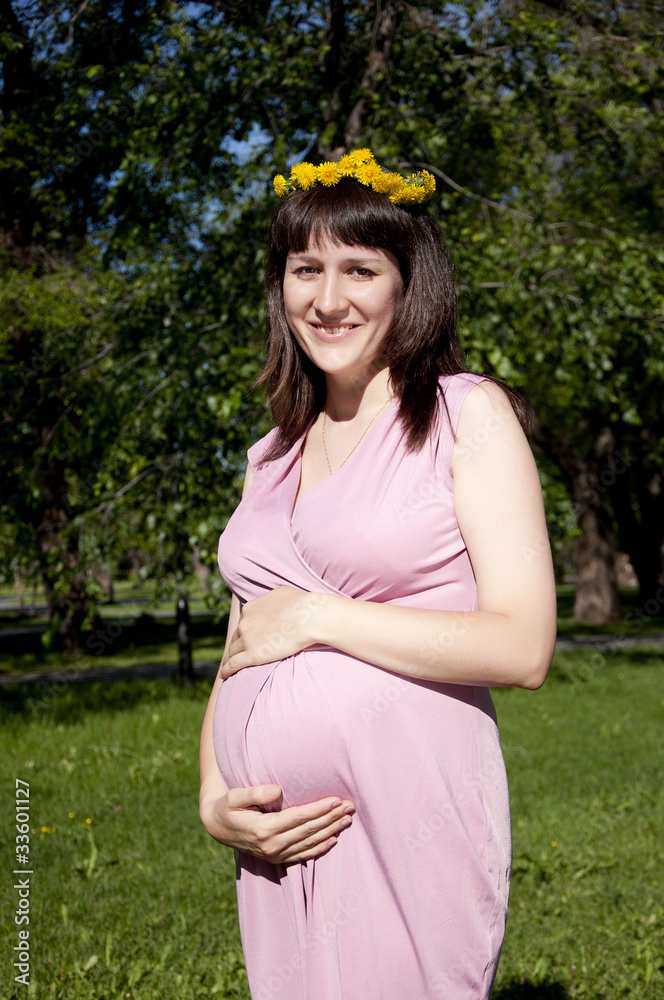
[[296, 833]]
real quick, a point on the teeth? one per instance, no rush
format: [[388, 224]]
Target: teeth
[[337, 329]]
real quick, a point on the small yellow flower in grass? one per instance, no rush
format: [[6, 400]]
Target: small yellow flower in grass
[[45, 829], [280, 185], [358, 156], [304, 175], [328, 173], [368, 173], [554, 843], [88, 821]]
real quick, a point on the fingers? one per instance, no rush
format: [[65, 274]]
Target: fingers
[[316, 842], [310, 830], [297, 833], [253, 795]]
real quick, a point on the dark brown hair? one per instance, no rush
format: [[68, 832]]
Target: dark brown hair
[[423, 342]]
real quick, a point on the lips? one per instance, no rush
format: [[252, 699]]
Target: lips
[[333, 333], [341, 328]]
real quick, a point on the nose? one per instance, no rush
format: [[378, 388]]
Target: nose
[[330, 299]]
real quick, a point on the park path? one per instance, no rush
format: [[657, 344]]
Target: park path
[[608, 645]]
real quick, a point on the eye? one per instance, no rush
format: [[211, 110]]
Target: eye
[[364, 272], [305, 269]]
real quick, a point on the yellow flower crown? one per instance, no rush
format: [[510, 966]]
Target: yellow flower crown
[[360, 165]]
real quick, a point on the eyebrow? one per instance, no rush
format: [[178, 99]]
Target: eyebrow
[[311, 259]]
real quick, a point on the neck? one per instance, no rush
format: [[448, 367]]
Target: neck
[[349, 398]]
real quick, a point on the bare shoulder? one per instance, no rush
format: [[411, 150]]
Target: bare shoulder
[[488, 428], [484, 401]]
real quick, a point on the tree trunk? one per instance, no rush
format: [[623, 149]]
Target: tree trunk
[[183, 625], [340, 133], [64, 582], [105, 581], [597, 600], [201, 569], [636, 488]]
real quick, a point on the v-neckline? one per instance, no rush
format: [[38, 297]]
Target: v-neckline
[[295, 500]]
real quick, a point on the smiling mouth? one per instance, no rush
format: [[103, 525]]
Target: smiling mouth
[[343, 328]]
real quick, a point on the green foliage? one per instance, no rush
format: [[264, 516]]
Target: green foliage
[[139, 148]]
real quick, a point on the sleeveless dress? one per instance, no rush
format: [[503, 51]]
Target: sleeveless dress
[[411, 902]]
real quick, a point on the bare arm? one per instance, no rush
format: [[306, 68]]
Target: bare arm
[[232, 816], [509, 640]]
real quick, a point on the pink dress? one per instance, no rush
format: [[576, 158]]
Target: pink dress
[[410, 904]]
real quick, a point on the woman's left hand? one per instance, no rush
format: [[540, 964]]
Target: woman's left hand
[[271, 627]]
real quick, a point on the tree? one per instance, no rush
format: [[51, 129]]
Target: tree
[[139, 172]]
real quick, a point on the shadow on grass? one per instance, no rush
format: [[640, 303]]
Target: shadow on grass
[[517, 990], [583, 665], [117, 636], [67, 703]]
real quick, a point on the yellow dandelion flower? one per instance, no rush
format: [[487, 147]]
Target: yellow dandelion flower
[[368, 173], [383, 183], [359, 156], [280, 185], [45, 829], [71, 815], [416, 194], [88, 821], [429, 182], [394, 183], [304, 175], [554, 843], [346, 166], [400, 193], [328, 173]]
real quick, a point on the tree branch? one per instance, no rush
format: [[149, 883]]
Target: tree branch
[[470, 194], [384, 34]]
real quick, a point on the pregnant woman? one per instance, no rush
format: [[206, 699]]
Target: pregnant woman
[[389, 563]]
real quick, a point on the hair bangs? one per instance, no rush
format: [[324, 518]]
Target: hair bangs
[[345, 214]]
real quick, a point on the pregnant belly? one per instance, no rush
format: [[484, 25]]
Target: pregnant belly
[[323, 723], [306, 722]]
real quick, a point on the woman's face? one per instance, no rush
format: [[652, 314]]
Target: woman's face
[[340, 303]]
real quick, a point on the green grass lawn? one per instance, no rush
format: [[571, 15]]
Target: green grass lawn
[[131, 899]]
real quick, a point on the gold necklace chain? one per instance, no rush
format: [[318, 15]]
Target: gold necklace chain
[[364, 432]]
